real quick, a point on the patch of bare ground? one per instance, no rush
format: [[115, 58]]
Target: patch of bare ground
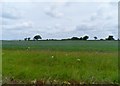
[[13, 82]]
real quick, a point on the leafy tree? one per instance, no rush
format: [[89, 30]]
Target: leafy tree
[[25, 39], [81, 38], [101, 39], [37, 37], [74, 38], [110, 38], [29, 39], [85, 37], [95, 38]]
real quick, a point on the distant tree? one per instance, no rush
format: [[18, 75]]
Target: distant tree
[[101, 39], [81, 38], [95, 38], [29, 39], [74, 38], [25, 39], [85, 37], [37, 37], [110, 38]]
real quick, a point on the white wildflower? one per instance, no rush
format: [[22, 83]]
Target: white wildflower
[[28, 47], [78, 59], [52, 57]]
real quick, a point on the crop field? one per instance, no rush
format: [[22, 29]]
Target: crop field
[[60, 61]]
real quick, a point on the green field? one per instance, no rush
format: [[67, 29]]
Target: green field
[[79, 61]]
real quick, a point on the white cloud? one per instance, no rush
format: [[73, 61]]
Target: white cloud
[[61, 19], [102, 20]]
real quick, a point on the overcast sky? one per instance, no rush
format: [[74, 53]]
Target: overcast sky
[[58, 18]]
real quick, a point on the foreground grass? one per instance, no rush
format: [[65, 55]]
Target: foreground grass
[[77, 64], [29, 65]]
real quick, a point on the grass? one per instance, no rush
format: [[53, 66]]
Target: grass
[[0, 63], [82, 61]]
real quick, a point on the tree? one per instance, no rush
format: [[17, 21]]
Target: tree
[[29, 39], [85, 37], [101, 39], [110, 38], [37, 37], [81, 38], [25, 39], [95, 38], [74, 38]]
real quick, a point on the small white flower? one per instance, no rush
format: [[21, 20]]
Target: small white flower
[[28, 47], [52, 57], [78, 59]]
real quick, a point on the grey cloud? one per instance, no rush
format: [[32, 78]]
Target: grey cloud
[[95, 30], [67, 4], [104, 12], [50, 14], [113, 3], [10, 13], [19, 26], [84, 28], [7, 21], [97, 15], [9, 16], [53, 12], [94, 24]]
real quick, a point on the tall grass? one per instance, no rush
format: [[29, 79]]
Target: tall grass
[[29, 65], [65, 63]]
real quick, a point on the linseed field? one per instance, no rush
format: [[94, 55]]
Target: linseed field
[[78, 61]]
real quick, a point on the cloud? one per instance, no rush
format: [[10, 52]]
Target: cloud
[[17, 30], [19, 26], [15, 0], [59, 0], [102, 22], [85, 27], [60, 20], [52, 11], [54, 14], [10, 13], [103, 19], [113, 4], [104, 12]]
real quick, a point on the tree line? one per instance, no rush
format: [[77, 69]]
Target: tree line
[[38, 37]]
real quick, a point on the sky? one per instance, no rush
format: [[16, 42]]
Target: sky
[[58, 19]]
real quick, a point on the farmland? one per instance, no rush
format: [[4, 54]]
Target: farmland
[[80, 61]]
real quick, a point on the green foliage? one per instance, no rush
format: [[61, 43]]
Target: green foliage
[[37, 37]]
